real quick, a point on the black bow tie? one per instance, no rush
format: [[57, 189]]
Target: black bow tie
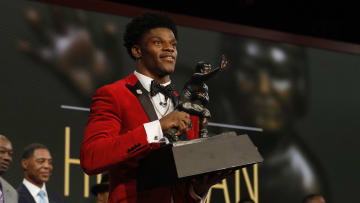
[[167, 91]]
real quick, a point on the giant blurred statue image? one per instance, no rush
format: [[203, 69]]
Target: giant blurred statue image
[[271, 88]]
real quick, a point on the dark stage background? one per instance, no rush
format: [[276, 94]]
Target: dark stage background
[[306, 99]]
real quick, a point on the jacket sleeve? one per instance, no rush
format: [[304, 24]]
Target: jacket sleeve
[[103, 145]]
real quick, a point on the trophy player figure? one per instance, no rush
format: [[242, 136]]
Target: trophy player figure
[[195, 96]]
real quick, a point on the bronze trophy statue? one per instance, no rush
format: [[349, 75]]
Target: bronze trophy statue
[[195, 96]]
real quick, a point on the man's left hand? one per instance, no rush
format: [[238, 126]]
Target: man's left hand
[[203, 183]]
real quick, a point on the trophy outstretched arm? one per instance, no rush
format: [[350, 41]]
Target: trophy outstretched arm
[[202, 77]]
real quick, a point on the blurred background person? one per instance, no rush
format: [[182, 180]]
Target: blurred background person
[[38, 165], [69, 50], [101, 191], [7, 193]]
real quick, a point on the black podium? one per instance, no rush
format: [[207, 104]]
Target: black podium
[[181, 160]]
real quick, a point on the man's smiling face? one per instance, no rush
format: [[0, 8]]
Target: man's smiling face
[[157, 52]]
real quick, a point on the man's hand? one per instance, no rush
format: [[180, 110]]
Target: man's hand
[[203, 183], [176, 119]]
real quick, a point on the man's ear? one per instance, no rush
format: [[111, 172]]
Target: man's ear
[[136, 51], [24, 163]]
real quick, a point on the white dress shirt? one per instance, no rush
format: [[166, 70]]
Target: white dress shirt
[[34, 191], [153, 129]]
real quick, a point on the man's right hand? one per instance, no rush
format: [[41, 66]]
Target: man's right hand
[[176, 119]]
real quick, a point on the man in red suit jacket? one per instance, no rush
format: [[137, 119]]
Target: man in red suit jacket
[[128, 117]]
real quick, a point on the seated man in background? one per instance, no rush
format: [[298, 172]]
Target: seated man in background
[[7, 193], [37, 164]]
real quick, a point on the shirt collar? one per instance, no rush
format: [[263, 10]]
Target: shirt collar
[[33, 189], [146, 80]]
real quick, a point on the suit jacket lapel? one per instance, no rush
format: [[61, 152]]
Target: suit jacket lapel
[[7, 193], [26, 196], [53, 197], [140, 92]]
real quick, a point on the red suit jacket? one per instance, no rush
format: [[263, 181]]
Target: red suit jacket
[[115, 140]]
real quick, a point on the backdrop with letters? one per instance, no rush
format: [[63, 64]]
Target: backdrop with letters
[[306, 100]]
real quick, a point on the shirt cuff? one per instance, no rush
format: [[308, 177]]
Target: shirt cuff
[[154, 132], [196, 196]]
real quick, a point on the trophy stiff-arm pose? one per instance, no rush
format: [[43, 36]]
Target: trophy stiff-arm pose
[[195, 95]]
